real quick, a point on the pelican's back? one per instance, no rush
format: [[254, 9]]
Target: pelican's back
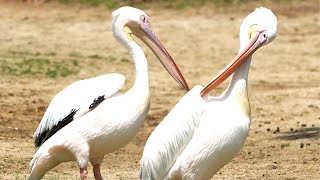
[[171, 136]]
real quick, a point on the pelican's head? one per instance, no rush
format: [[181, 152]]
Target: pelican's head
[[257, 29], [128, 21], [261, 24], [129, 16]]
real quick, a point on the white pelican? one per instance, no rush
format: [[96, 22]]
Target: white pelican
[[90, 118], [201, 134]]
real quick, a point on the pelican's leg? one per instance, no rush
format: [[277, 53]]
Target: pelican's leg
[[96, 167], [83, 173], [96, 172], [81, 153]]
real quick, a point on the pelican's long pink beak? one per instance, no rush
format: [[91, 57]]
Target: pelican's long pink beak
[[255, 43], [146, 34], [167, 62]]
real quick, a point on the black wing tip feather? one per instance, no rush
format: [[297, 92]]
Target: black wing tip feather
[[43, 137], [96, 102]]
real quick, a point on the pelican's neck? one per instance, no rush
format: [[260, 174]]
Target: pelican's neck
[[142, 78], [239, 79], [237, 89], [141, 65]]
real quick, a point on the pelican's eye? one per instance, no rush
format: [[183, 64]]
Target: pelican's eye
[[265, 36], [144, 19]]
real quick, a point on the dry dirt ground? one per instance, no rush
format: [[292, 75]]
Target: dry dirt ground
[[44, 48]]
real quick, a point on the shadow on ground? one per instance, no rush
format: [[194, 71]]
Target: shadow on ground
[[302, 133]]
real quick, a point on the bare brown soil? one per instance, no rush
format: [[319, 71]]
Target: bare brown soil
[[284, 81]]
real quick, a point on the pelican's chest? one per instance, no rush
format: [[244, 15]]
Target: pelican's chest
[[131, 109], [116, 123]]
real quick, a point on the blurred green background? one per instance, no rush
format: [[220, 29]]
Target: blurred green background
[[175, 4]]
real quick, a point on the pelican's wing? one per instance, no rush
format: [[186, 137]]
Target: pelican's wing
[[74, 101], [171, 136]]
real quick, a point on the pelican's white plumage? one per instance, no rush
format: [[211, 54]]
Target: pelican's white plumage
[[68, 99], [90, 118], [171, 136], [201, 134]]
